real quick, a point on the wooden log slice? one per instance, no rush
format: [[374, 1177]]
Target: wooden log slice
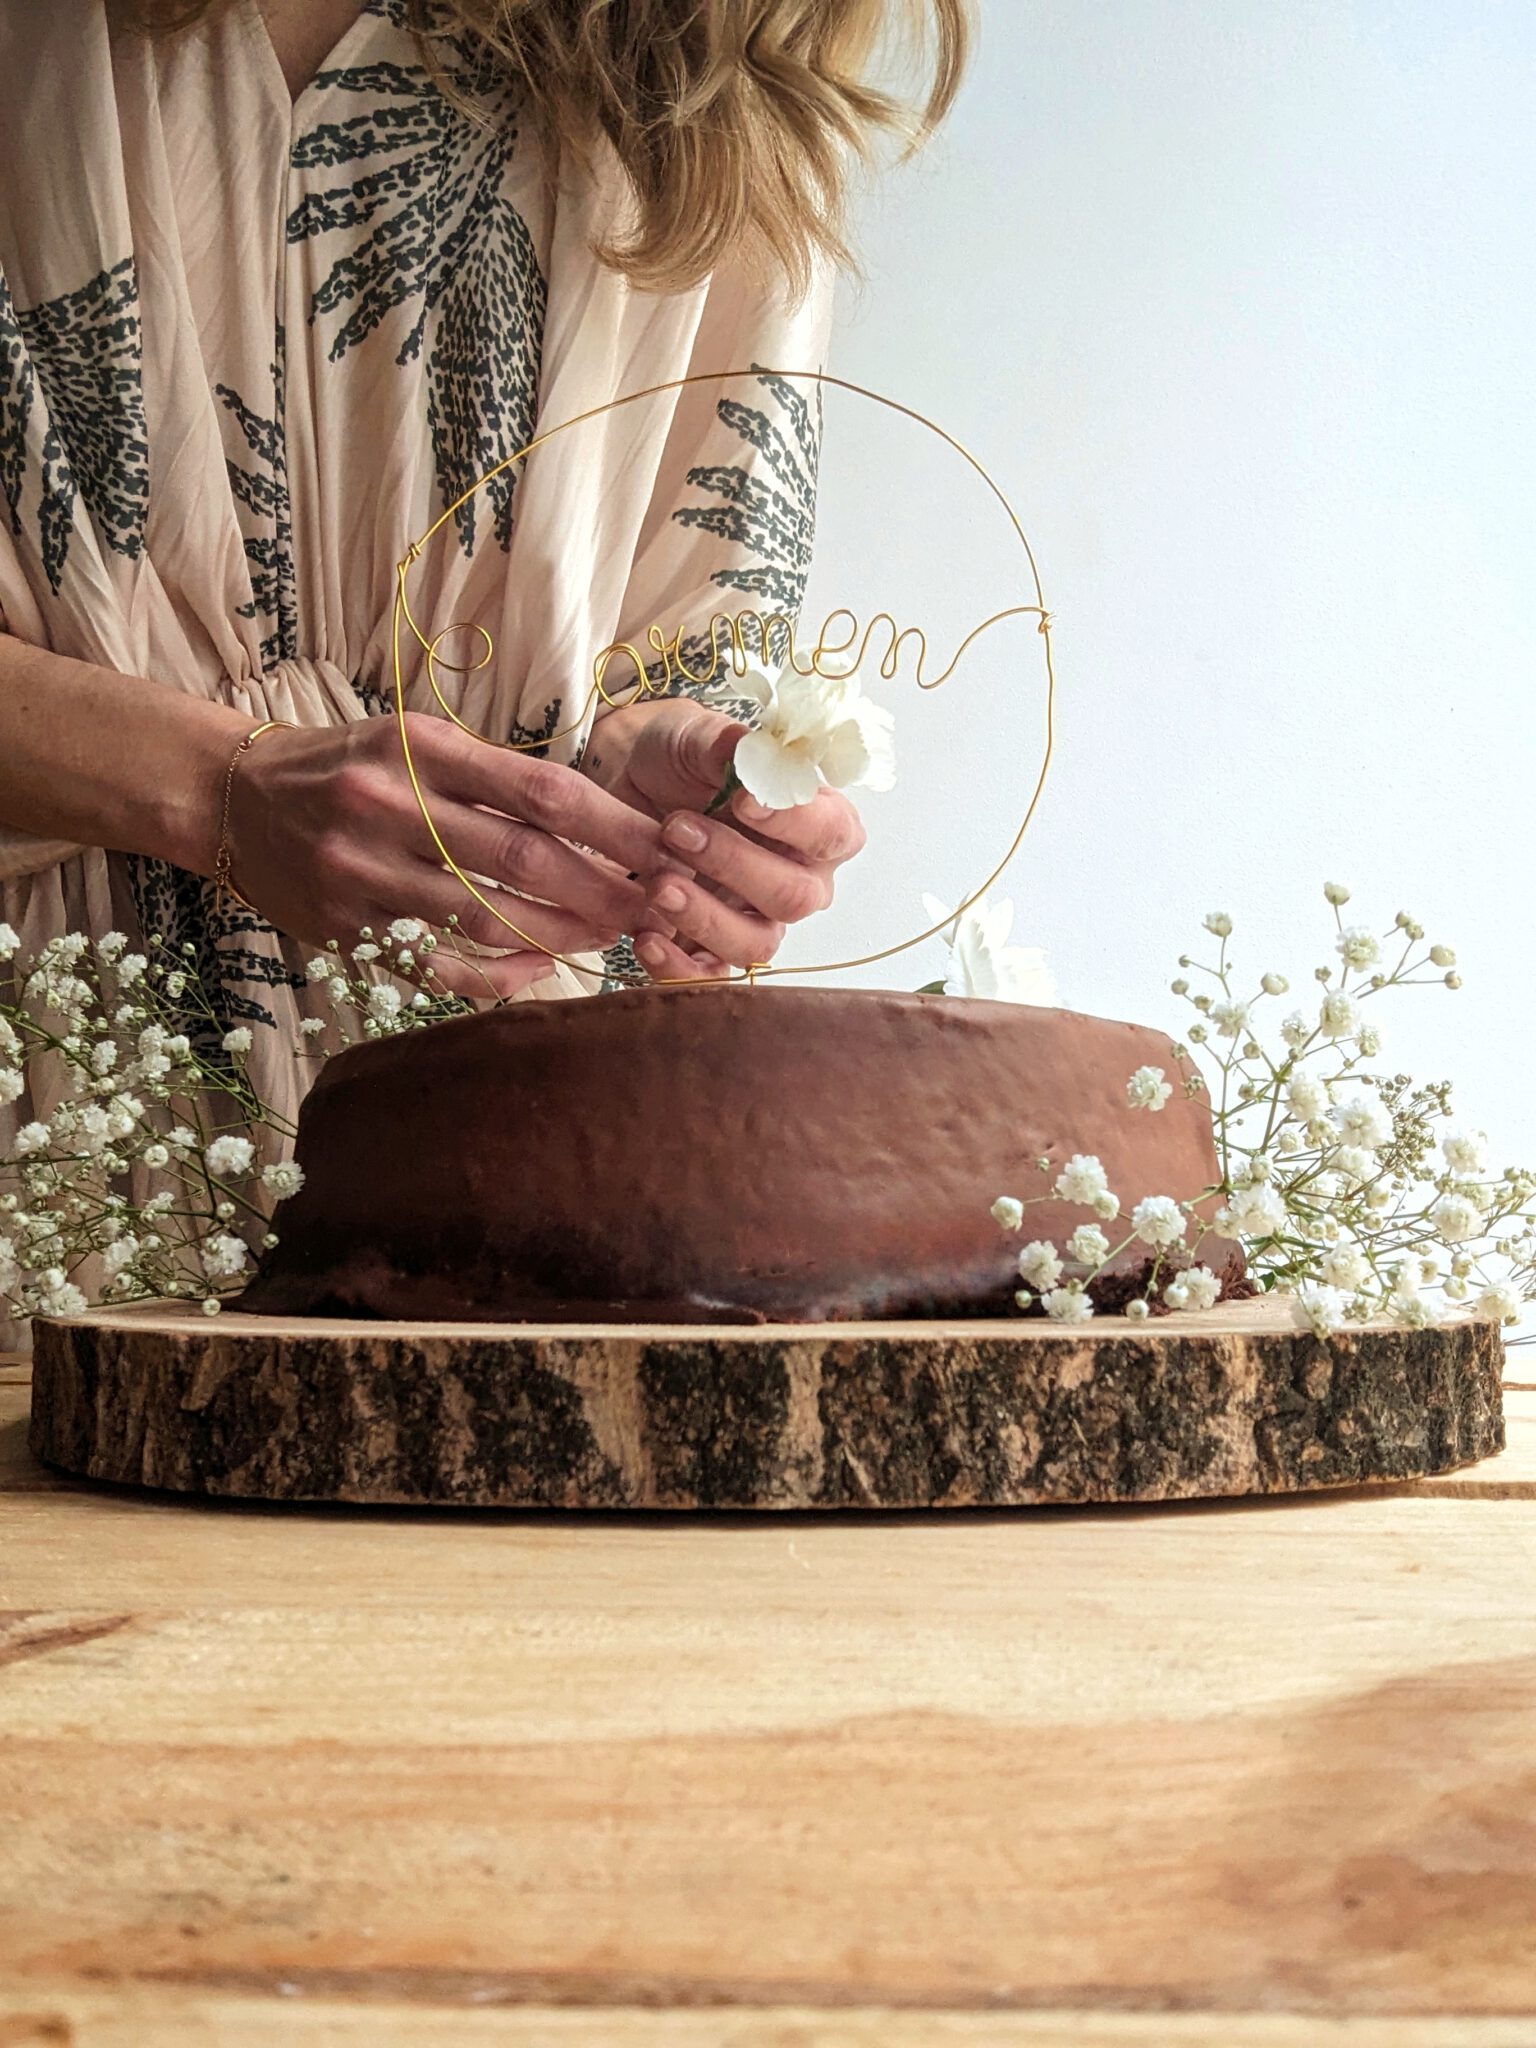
[[866, 1415]]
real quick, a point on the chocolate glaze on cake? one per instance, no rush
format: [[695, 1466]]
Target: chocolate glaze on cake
[[730, 1154]]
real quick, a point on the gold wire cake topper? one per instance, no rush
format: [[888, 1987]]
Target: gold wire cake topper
[[727, 634]]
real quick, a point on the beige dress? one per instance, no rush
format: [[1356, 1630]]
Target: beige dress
[[250, 349]]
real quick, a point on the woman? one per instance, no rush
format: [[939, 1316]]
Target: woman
[[279, 279]]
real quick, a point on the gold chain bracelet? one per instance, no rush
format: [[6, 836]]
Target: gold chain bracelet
[[223, 860]]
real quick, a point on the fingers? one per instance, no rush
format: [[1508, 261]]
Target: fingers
[[740, 937], [665, 960], [490, 978], [525, 858], [511, 921], [827, 831], [779, 885], [554, 799], [682, 756]]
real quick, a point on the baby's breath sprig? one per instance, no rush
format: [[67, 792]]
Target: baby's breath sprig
[[151, 1091], [1350, 1189]]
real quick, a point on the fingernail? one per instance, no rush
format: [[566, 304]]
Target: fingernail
[[651, 951], [670, 899], [685, 832]]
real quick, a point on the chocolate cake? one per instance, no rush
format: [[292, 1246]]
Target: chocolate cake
[[730, 1154]]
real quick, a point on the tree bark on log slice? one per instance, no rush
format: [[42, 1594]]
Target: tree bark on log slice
[[853, 1415]]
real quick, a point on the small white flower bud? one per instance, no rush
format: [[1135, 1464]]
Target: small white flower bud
[[1453, 979], [1443, 956], [1274, 984], [1137, 1311], [1336, 893]]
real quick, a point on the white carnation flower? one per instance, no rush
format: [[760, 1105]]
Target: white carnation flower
[[1082, 1180], [228, 1157], [1158, 1220], [1007, 1212], [1039, 1264], [1455, 1217], [1465, 1151], [982, 963], [283, 1178], [1088, 1245], [812, 729], [1067, 1305], [1148, 1089]]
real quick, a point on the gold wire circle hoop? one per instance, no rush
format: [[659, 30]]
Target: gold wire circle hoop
[[431, 644]]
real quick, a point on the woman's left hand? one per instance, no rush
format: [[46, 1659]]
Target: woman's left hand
[[738, 878]]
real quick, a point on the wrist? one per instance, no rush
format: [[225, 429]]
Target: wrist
[[187, 808]]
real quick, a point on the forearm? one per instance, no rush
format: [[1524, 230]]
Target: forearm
[[108, 760]]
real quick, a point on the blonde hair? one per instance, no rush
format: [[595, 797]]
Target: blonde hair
[[738, 123]]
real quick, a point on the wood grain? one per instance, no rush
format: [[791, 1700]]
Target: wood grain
[[135, 2016], [1205, 1776], [895, 1415]]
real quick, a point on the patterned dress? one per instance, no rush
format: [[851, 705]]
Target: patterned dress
[[251, 348]]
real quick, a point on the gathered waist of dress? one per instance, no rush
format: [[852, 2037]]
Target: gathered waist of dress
[[307, 691]]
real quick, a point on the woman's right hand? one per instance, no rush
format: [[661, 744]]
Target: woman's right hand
[[326, 836]]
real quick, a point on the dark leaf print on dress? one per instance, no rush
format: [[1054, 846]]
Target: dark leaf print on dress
[[226, 957], [434, 246], [764, 511], [266, 513], [72, 423]]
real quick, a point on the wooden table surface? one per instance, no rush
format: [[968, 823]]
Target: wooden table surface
[[1216, 1775]]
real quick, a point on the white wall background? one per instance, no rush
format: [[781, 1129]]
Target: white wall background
[[1237, 299]]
